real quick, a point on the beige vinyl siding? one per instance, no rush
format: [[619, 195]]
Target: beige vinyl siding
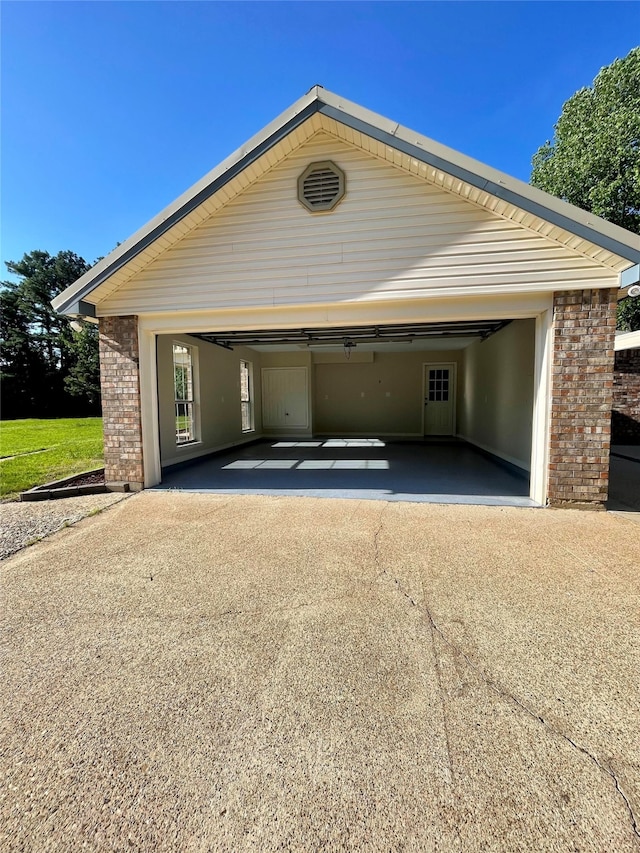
[[393, 235], [383, 397], [217, 396], [496, 408]]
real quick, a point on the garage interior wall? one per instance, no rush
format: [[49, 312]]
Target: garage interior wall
[[497, 401], [374, 394], [217, 396], [383, 395]]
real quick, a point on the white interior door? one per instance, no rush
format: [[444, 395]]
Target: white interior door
[[285, 403], [439, 399]]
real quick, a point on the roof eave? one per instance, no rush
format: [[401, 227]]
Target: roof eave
[[189, 200], [630, 276], [538, 202], [587, 226]]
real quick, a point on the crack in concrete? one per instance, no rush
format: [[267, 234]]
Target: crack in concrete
[[505, 694], [583, 562], [445, 717], [376, 543], [380, 571]]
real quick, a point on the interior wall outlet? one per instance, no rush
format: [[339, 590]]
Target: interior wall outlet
[[388, 394], [362, 393]]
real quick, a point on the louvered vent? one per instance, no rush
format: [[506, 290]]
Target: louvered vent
[[321, 186]]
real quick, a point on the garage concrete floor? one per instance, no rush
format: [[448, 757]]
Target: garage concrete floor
[[366, 469], [189, 672]]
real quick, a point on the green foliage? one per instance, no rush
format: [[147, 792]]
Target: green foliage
[[629, 315], [594, 158], [46, 367], [46, 450], [83, 378]]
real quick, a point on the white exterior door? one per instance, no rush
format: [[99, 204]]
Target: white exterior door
[[439, 399], [285, 403]]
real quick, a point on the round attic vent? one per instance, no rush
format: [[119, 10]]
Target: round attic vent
[[321, 186]]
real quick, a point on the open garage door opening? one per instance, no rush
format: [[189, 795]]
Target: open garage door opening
[[429, 411]]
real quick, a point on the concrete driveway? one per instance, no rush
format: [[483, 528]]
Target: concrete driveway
[[198, 673]]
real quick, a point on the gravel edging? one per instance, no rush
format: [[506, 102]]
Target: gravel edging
[[22, 524]]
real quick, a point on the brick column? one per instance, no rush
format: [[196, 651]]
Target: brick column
[[121, 406], [582, 384]]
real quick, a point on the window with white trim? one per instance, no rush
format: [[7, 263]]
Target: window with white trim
[[246, 395], [183, 383]]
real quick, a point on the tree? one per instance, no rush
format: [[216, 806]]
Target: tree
[[83, 378], [629, 315], [46, 368], [593, 160], [21, 364]]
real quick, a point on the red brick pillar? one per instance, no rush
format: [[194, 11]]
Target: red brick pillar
[[584, 323], [121, 406]]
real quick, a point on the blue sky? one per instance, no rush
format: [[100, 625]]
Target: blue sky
[[112, 109]]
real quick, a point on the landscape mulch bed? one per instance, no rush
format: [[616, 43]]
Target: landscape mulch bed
[[87, 483]]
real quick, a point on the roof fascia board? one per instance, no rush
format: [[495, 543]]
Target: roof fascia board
[[80, 308], [86, 309], [630, 277], [220, 176], [499, 190]]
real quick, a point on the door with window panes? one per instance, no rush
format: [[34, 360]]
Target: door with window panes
[[439, 399]]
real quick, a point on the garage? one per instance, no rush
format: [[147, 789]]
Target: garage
[[423, 411], [331, 277]]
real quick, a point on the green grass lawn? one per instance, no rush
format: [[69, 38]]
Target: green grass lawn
[[46, 450]]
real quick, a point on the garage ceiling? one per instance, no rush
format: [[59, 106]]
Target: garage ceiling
[[338, 336]]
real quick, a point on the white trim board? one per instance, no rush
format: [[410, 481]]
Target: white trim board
[[627, 340], [514, 306], [148, 366]]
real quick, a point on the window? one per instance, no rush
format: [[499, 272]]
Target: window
[[246, 396], [439, 386], [184, 395]]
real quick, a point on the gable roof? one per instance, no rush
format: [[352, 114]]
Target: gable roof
[[619, 247]]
